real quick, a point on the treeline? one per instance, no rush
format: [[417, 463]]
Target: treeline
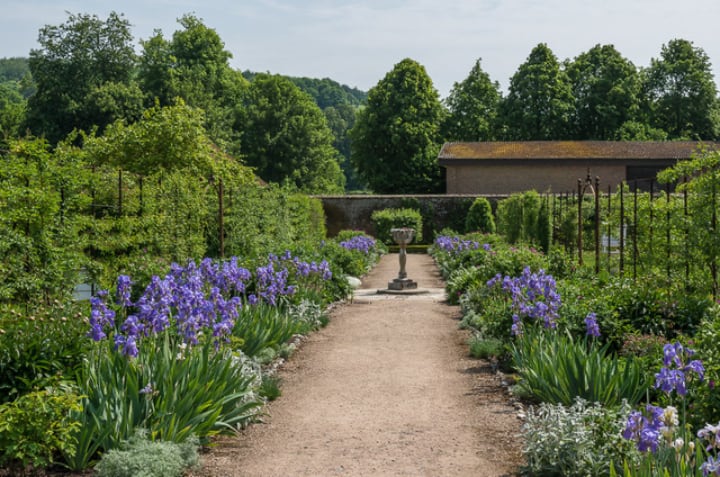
[[323, 137]]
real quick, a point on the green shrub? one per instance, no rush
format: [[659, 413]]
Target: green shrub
[[36, 427], [581, 440], [172, 391], [40, 347], [388, 219], [517, 217], [555, 368], [480, 217], [140, 457], [263, 326], [486, 348]]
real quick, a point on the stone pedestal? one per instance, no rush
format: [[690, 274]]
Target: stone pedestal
[[402, 237], [402, 284]]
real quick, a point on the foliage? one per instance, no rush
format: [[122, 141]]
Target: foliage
[[480, 217], [76, 59], [286, 137], [555, 368], [706, 399], [41, 246], [12, 110], [140, 456], [353, 252], [173, 391], [544, 226], [662, 435], [385, 220], [486, 348], [166, 138], [606, 89], [539, 103], [702, 182], [582, 439], [13, 69], [518, 216], [326, 92], [396, 137], [37, 426], [473, 107], [40, 346], [193, 66], [682, 93], [265, 326]]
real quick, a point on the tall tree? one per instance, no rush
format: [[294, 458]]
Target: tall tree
[[473, 106], [539, 103], [194, 66], [605, 87], [396, 137], [682, 92], [77, 60], [341, 118], [287, 139]]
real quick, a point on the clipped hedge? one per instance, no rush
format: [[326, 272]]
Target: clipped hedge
[[387, 219]]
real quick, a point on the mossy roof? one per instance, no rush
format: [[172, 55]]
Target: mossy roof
[[572, 150]]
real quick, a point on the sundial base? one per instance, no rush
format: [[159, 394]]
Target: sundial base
[[402, 284]]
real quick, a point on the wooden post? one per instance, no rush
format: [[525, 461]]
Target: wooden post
[[221, 219]]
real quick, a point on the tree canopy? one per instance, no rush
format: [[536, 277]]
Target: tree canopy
[[79, 60], [681, 92], [539, 103], [606, 90], [473, 106], [396, 137], [286, 137]]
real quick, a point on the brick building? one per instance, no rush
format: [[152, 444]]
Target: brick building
[[505, 167]]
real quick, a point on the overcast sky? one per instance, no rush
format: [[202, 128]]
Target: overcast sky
[[356, 42]]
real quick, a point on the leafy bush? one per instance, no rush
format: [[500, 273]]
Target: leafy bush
[[140, 457], [555, 368], [483, 348], [517, 217], [37, 426], [40, 346], [173, 391], [480, 217], [388, 219], [263, 326], [582, 439]]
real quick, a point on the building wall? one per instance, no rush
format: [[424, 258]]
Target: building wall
[[507, 178]]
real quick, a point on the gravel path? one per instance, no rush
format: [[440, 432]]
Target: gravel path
[[386, 389]]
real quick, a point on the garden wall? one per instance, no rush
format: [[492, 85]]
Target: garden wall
[[438, 211]]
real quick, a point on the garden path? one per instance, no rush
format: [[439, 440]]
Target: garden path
[[387, 388]]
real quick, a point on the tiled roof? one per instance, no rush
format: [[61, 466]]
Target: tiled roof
[[572, 150]]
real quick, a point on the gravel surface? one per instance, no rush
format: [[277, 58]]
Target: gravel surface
[[386, 389]]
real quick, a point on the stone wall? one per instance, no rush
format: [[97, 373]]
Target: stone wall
[[353, 212]]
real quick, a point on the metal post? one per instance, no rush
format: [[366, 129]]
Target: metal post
[[622, 228], [687, 234], [635, 232], [667, 231], [597, 225], [580, 225], [609, 227]]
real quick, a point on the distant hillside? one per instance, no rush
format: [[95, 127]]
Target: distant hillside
[[326, 92], [13, 69]]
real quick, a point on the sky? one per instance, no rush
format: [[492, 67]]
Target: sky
[[357, 42]]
